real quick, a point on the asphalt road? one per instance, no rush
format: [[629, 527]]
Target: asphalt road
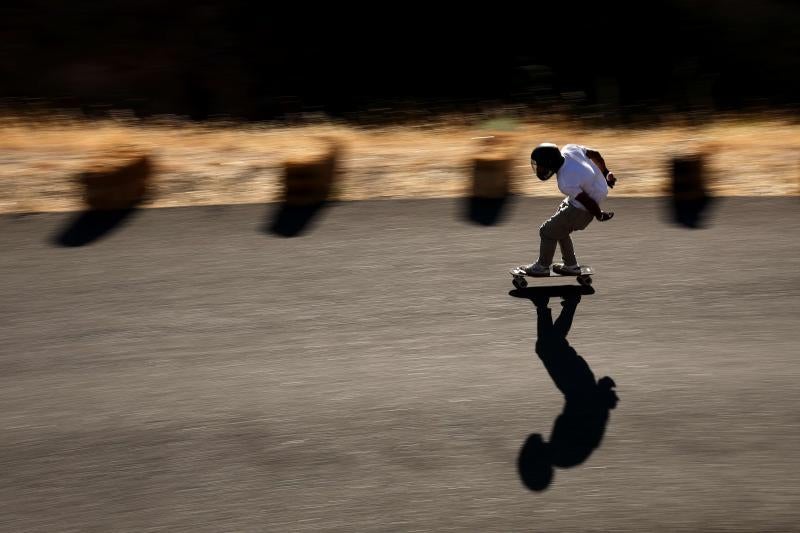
[[189, 371]]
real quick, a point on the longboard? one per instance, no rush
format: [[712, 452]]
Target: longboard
[[518, 275]]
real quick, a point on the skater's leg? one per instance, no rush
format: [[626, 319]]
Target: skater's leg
[[575, 220], [547, 249], [567, 251], [551, 232]]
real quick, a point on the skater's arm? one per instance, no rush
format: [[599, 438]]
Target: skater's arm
[[589, 204], [598, 160], [593, 208]]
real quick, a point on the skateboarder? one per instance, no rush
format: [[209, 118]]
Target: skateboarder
[[582, 175]]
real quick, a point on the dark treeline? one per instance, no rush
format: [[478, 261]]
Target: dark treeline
[[255, 61]]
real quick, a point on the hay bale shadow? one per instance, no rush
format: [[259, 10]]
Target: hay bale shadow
[[293, 220], [486, 211], [90, 226], [690, 213]]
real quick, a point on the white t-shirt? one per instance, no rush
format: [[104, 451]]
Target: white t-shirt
[[579, 174]]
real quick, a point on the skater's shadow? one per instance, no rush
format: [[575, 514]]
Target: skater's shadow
[[579, 429], [293, 220], [486, 211], [91, 225]]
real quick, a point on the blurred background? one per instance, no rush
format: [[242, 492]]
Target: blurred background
[[221, 94]]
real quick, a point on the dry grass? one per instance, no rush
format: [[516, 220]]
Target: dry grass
[[224, 163]]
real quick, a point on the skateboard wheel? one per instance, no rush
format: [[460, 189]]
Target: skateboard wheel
[[585, 279], [520, 283]]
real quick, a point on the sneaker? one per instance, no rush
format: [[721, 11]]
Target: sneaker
[[567, 269], [536, 269]]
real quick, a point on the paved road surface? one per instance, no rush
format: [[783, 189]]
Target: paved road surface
[[190, 372]]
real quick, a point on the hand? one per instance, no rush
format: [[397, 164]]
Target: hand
[[603, 216], [611, 179]]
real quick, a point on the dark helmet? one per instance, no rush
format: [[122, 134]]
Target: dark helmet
[[546, 159]]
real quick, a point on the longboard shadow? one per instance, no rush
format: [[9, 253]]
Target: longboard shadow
[[555, 291]]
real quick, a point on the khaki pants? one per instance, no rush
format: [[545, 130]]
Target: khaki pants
[[556, 230]]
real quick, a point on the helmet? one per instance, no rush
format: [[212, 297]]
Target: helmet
[[546, 159]]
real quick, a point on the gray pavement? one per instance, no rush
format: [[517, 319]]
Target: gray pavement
[[190, 372]]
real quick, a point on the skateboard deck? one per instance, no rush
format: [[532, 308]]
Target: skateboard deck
[[519, 275]]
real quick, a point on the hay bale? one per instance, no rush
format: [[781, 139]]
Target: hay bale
[[689, 198], [491, 168], [119, 180], [688, 177], [310, 178]]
